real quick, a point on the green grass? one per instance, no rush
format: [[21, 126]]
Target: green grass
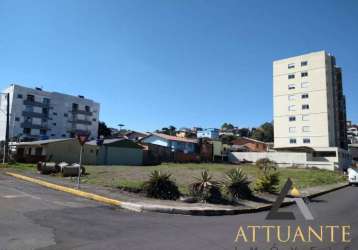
[[132, 177]]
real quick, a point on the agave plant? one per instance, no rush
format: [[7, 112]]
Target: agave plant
[[236, 184], [205, 188], [161, 186]]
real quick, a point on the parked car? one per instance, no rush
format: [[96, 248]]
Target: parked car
[[353, 176]]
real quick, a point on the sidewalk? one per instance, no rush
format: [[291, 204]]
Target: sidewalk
[[134, 202]]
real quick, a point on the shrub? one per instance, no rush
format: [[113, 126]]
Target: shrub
[[266, 165], [161, 186], [269, 179], [205, 188], [236, 184], [268, 183]]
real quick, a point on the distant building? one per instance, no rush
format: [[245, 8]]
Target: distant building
[[173, 142], [37, 114], [352, 133], [250, 145], [210, 133]]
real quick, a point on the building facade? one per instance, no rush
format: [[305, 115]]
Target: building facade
[[309, 106], [211, 133], [36, 114]]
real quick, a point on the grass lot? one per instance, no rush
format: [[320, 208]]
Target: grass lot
[[133, 176]]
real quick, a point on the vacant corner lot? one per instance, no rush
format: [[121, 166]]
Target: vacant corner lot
[[132, 177]]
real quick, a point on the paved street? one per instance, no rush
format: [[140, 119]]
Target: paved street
[[32, 217]]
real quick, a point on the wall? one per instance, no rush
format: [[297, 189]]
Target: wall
[[68, 151]]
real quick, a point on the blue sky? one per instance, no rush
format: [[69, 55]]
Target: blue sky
[[181, 62]]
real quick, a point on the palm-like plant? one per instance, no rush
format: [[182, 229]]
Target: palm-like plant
[[161, 186], [205, 188], [236, 184]]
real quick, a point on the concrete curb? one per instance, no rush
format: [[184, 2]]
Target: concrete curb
[[137, 207]]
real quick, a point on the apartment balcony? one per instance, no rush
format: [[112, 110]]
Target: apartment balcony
[[34, 114], [79, 121], [37, 104], [34, 126], [81, 112]]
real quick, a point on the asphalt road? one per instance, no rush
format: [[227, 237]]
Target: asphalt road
[[33, 217]]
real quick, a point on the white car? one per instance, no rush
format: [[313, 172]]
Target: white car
[[353, 176]]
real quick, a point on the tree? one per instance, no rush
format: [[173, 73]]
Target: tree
[[244, 132], [227, 126], [171, 130], [263, 133], [103, 130]]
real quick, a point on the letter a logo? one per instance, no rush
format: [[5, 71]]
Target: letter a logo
[[274, 214]]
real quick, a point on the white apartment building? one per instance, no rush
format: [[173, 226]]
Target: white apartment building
[[36, 114], [309, 107]]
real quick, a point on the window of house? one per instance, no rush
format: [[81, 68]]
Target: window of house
[[292, 118], [305, 106], [45, 111], [291, 97], [17, 119], [304, 63], [305, 117], [292, 107], [54, 124], [291, 86], [291, 76], [65, 115], [87, 108], [292, 129], [19, 96], [291, 66], [305, 85], [30, 98], [304, 96], [306, 129], [304, 74], [293, 141], [306, 140]]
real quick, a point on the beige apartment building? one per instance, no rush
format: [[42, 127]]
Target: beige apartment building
[[309, 107]]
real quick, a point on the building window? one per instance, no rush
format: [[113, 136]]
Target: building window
[[65, 115], [304, 63], [292, 107], [54, 124], [291, 97], [29, 108], [304, 74], [53, 135], [94, 119], [292, 129], [305, 106], [30, 98], [304, 96], [291, 66], [292, 118], [306, 140], [27, 131], [63, 135], [291, 76], [87, 108], [293, 141], [17, 119], [306, 129], [28, 119], [305, 85], [42, 131], [74, 106], [46, 101], [19, 96], [291, 86], [54, 113], [305, 117]]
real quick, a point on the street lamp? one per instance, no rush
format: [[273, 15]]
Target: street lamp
[[120, 127]]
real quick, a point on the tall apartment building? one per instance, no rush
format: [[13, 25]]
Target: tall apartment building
[[309, 105], [36, 114]]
